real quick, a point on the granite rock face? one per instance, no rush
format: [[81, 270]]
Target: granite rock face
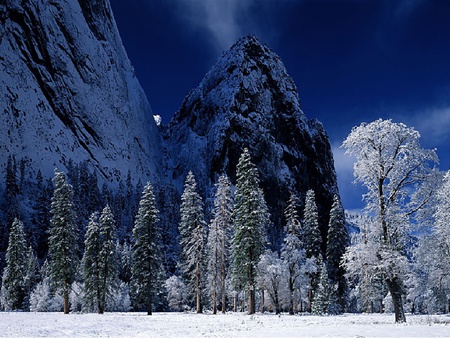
[[69, 91], [247, 100]]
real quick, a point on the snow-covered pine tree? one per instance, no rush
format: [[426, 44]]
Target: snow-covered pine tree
[[337, 242], [109, 265], [311, 233], [192, 229], [32, 275], [217, 246], [292, 253], [91, 263], [146, 270], [251, 217], [13, 280], [321, 297], [312, 240], [63, 237]]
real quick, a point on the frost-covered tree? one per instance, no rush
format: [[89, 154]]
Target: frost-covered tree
[[13, 279], [147, 270], [176, 293], [292, 253], [91, 263], [432, 266], [63, 237], [393, 166], [311, 233], [251, 217], [312, 240], [321, 297], [100, 266], [32, 275], [337, 242], [43, 298], [192, 229], [272, 277], [217, 246]]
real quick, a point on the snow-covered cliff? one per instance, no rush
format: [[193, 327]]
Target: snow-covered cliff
[[69, 91], [248, 100]]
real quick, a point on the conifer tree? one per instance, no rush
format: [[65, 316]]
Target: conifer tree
[[337, 242], [100, 267], [192, 229], [32, 275], [312, 240], [251, 218], [320, 301], [292, 252], [147, 271], [13, 280], [63, 237], [108, 256], [218, 242]]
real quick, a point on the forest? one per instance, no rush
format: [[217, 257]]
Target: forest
[[69, 245]]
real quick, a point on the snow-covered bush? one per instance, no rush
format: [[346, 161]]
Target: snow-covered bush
[[42, 299], [176, 293], [120, 300]]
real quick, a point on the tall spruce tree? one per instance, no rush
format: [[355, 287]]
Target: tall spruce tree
[[312, 240], [337, 242], [146, 270], [13, 280], [251, 217], [32, 275], [100, 266], [292, 253], [91, 263], [192, 229], [218, 243], [63, 249]]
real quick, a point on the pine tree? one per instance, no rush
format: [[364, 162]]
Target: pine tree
[[320, 300], [251, 218], [218, 242], [337, 242], [32, 275], [292, 253], [13, 280], [63, 237], [108, 256], [312, 239], [192, 229], [100, 266], [147, 271]]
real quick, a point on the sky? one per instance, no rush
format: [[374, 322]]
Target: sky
[[352, 61]]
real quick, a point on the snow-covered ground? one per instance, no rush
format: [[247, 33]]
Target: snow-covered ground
[[17, 324]]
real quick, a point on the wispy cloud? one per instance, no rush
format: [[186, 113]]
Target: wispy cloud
[[223, 19], [228, 20]]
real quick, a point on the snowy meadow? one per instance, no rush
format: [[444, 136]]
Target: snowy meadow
[[23, 324]]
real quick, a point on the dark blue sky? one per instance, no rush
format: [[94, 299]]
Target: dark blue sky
[[352, 61]]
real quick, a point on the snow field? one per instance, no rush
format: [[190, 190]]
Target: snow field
[[45, 324]]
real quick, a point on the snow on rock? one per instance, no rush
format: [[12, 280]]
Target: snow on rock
[[248, 100], [69, 91]]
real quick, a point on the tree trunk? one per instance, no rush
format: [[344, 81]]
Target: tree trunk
[[291, 296], [235, 302], [214, 301], [251, 301], [262, 301], [310, 295], [199, 290], [66, 302], [395, 289]]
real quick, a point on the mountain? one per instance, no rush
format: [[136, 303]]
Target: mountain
[[247, 99], [69, 91]]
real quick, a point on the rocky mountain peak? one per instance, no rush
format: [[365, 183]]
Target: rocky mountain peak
[[248, 100]]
